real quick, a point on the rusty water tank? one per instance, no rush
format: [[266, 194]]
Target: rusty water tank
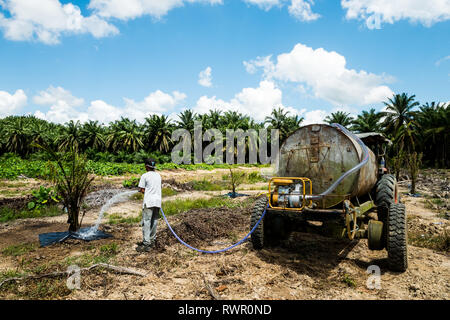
[[323, 153]]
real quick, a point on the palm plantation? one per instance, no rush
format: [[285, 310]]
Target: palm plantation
[[412, 127]]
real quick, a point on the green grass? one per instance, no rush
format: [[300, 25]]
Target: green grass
[[8, 214], [110, 249], [206, 185], [168, 192], [137, 196], [349, 281], [19, 250], [439, 242], [7, 184], [7, 274], [174, 207], [10, 274], [8, 193], [118, 219], [89, 259]]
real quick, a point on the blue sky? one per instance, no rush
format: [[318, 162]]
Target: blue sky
[[310, 57]]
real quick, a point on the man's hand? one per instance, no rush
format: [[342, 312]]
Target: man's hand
[[141, 190]]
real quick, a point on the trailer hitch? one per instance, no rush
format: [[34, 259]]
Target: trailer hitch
[[351, 215]]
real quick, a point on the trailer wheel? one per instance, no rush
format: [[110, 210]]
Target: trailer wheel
[[397, 238], [386, 195], [387, 191], [257, 236]]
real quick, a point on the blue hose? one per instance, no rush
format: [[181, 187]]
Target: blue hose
[[216, 251]]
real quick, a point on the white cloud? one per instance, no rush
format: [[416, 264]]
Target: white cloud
[[62, 112], [314, 116], [264, 63], [11, 103], [265, 4], [53, 95], [205, 77], [157, 102], [102, 112], [326, 75], [375, 12], [255, 102], [46, 20], [131, 9], [64, 106], [438, 63], [301, 9]]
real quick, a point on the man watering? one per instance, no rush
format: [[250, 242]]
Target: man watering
[[150, 186]]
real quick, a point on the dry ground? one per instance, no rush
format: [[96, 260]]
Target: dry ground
[[304, 267]]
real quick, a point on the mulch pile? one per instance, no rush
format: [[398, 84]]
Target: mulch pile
[[200, 227]]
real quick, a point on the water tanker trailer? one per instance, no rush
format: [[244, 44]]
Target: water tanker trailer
[[330, 182]]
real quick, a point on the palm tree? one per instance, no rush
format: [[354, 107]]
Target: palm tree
[[187, 118], [125, 134], [17, 135], [92, 135], [406, 137], [277, 119], [158, 132], [368, 121], [434, 122], [293, 123], [214, 119], [235, 120], [398, 112], [340, 117], [280, 119], [69, 136]]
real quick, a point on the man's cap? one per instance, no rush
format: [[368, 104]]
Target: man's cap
[[150, 163]]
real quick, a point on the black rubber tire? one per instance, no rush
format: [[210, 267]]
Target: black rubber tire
[[386, 195], [386, 191], [397, 239], [257, 236]]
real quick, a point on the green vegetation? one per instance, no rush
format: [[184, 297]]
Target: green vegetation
[[43, 197], [72, 180], [8, 214], [104, 255], [110, 249], [349, 281], [174, 207], [439, 242], [19, 250], [207, 185], [131, 183], [12, 166], [168, 192], [117, 218]]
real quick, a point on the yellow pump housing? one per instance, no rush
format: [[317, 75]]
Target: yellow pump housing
[[275, 196]]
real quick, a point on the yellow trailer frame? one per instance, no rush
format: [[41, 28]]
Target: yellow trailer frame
[[280, 181]]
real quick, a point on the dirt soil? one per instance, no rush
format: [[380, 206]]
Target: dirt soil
[[305, 266]]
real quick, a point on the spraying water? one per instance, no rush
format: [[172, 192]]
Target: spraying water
[[121, 197]]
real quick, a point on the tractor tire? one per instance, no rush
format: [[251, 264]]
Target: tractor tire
[[257, 236], [386, 195], [386, 191], [397, 238]]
